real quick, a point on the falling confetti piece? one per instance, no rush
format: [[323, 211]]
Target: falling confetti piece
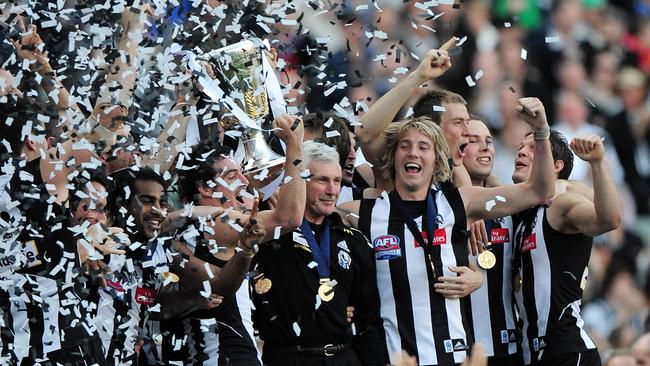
[[489, 205]]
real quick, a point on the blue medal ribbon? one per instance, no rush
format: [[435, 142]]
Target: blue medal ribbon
[[320, 251], [432, 212]]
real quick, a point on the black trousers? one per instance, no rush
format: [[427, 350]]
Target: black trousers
[[345, 358]]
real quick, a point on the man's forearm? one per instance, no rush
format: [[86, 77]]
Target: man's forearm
[[542, 175], [291, 196], [606, 202], [231, 276], [382, 113]]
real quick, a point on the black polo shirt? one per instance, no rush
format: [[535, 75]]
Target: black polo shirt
[[291, 313]]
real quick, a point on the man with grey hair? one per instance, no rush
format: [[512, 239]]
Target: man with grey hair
[[305, 279]]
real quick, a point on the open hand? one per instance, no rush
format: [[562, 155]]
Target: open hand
[[459, 286]]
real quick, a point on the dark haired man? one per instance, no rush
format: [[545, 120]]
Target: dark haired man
[[493, 317], [551, 251], [157, 261], [211, 177]]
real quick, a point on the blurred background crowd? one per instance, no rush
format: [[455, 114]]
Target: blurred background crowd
[[587, 60]]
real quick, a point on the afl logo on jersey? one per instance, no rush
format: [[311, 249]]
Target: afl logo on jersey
[[386, 247]]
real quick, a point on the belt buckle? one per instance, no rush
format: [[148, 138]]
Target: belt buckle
[[326, 352]]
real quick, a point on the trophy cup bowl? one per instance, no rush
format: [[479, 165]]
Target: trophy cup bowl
[[239, 69]]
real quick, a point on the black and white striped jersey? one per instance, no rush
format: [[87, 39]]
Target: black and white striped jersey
[[43, 296], [349, 193], [493, 318], [218, 336], [416, 318], [550, 270]]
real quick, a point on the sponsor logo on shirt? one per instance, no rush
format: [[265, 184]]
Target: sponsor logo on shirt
[[455, 345], [508, 336], [386, 247], [439, 237], [538, 344], [499, 236], [115, 285], [530, 243], [145, 296], [29, 258]]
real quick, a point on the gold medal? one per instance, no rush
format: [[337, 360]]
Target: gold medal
[[325, 291], [487, 259], [169, 276], [263, 286]]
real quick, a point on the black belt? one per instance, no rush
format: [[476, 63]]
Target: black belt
[[326, 350]]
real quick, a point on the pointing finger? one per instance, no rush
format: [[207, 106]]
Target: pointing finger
[[448, 44]]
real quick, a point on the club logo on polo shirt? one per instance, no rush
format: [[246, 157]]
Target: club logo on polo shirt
[[530, 243], [343, 245], [344, 259], [499, 235], [386, 247]]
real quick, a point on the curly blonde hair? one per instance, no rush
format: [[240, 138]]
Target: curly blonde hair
[[393, 134]]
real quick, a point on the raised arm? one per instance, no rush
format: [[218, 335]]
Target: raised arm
[[382, 113], [290, 209], [194, 272], [571, 212], [491, 203], [121, 74]]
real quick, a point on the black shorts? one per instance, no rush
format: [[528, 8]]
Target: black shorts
[[586, 358], [512, 360], [346, 358]]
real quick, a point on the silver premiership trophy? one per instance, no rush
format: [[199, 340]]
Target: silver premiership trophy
[[241, 73]]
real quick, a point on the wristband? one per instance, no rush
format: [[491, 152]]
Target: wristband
[[541, 133]]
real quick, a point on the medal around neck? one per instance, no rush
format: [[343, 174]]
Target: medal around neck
[[263, 286], [487, 259], [325, 290]]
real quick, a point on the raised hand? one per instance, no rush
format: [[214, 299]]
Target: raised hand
[[589, 148], [253, 232], [435, 62], [289, 128], [531, 110]]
